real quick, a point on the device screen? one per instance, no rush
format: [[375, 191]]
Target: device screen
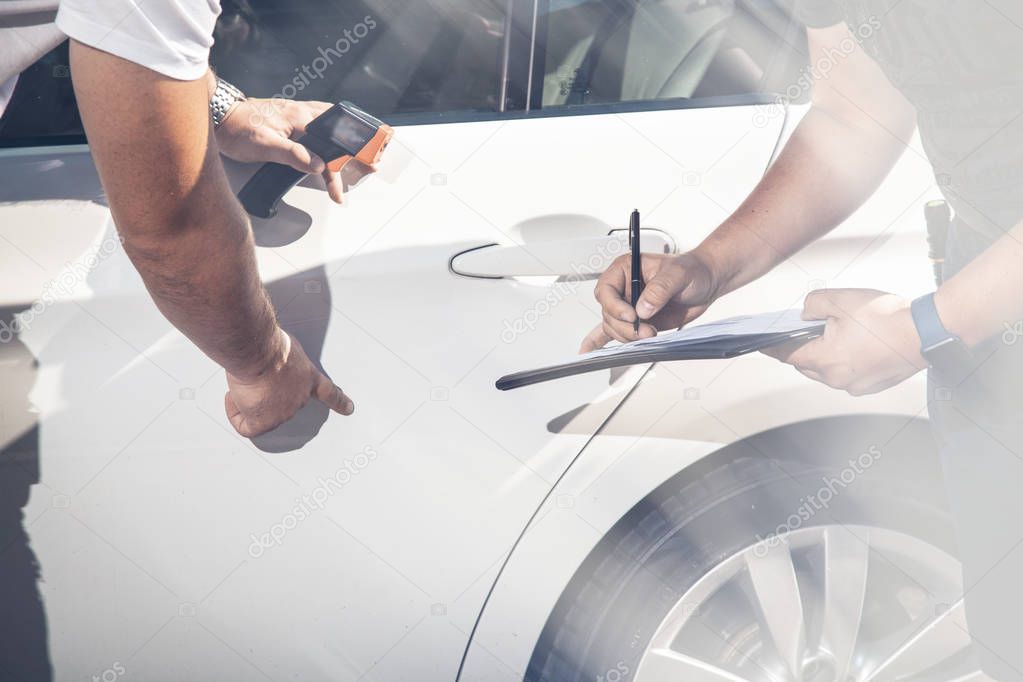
[[344, 128]]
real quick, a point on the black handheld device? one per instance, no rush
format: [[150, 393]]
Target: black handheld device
[[938, 216], [338, 135]]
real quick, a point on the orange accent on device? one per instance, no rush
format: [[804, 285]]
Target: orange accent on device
[[337, 164], [369, 154]]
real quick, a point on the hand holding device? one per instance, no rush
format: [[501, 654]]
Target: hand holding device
[[338, 135], [262, 130]]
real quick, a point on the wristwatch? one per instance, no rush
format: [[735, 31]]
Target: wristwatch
[[224, 100], [942, 349]]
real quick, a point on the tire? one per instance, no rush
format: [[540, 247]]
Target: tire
[[742, 497]]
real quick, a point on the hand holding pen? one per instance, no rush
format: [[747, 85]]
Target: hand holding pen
[[664, 292]]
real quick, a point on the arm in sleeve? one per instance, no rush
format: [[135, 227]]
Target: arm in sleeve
[[171, 37]]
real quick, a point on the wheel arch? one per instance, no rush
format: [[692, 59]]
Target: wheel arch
[[582, 511]]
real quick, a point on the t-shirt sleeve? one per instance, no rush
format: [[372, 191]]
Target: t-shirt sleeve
[[172, 37], [819, 13]]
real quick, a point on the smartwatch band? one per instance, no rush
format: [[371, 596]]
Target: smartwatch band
[[928, 324]]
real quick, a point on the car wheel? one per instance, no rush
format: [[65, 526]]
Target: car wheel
[[746, 567]]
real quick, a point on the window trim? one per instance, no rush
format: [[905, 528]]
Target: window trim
[[441, 118], [633, 106], [520, 38], [43, 142], [538, 54]]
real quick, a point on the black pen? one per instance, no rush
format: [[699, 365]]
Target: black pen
[[637, 266]]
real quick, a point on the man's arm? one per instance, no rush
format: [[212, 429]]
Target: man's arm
[[851, 137], [152, 141], [994, 277], [857, 127]]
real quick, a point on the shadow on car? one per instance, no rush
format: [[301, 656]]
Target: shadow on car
[[24, 646]]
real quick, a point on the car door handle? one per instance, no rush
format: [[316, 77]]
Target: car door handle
[[582, 258]]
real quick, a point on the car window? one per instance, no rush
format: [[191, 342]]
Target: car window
[[607, 51], [387, 56], [445, 56], [41, 105]]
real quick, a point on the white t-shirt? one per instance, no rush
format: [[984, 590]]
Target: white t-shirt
[[172, 37]]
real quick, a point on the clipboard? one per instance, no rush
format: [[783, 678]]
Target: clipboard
[[715, 341]]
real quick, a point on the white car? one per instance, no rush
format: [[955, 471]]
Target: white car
[[712, 520]]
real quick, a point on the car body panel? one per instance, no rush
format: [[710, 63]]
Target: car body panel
[[159, 530]]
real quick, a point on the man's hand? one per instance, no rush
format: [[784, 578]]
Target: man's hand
[[678, 289], [266, 130], [869, 344], [261, 404]]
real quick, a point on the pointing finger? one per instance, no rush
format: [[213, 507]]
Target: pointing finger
[[333, 397]]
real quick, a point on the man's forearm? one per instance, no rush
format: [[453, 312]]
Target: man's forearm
[[994, 277], [824, 173], [170, 199], [838, 155], [202, 274]]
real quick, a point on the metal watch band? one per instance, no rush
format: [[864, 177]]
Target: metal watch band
[[224, 99]]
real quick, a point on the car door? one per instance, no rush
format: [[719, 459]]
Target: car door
[[167, 546]]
